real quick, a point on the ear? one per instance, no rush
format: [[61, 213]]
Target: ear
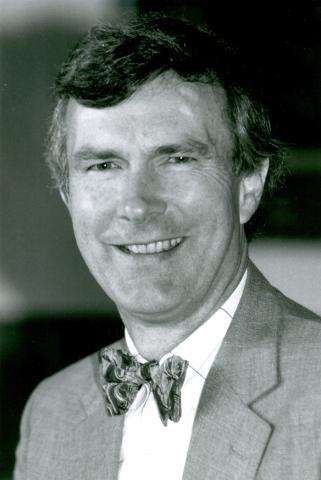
[[64, 197], [250, 191]]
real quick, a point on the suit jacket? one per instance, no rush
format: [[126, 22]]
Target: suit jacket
[[259, 415]]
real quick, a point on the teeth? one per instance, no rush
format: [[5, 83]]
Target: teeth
[[154, 247], [151, 247], [142, 248], [166, 245]]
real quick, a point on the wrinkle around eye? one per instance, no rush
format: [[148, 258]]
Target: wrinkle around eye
[[181, 159]]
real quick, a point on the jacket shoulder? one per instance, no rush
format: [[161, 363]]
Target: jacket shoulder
[[69, 390], [55, 409], [59, 396], [299, 338], [273, 302], [297, 322]]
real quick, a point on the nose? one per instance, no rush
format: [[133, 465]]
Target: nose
[[141, 198]]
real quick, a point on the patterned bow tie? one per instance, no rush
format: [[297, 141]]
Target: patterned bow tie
[[122, 376]]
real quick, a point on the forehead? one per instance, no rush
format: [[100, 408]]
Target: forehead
[[166, 109]]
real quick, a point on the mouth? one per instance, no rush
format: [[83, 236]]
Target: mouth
[[151, 248]]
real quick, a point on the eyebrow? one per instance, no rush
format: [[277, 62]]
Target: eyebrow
[[189, 145], [88, 152]]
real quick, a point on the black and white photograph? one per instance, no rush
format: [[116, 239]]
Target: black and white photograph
[[160, 240]]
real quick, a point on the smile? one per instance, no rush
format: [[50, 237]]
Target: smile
[[152, 247]]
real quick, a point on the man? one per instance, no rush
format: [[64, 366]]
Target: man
[[161, 153]]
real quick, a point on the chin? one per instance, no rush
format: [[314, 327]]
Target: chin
[[146, 295], [147, 305]]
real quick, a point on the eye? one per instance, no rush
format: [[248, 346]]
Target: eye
[[181, 159], [103, 166]]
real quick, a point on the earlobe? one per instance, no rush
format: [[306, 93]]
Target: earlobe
[[64, 197], [250, 191]]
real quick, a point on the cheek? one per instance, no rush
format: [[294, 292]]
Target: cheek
[[212, 197], [86, 211]]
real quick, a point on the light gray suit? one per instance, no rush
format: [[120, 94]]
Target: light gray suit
[[259, 415]]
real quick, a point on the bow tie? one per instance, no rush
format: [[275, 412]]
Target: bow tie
[[122, 376]]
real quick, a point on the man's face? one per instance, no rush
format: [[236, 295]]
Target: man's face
[[153, 200]]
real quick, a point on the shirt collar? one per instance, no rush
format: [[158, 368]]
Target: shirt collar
[[197, 348]]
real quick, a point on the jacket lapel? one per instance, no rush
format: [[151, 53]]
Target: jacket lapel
[[229, 438], [92, 448]]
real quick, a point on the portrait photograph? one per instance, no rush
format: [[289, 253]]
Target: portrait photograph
[[160, 240]]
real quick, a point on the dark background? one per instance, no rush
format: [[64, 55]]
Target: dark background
[[51, 311]]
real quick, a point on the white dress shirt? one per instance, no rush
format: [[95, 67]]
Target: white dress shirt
[[149, 449]]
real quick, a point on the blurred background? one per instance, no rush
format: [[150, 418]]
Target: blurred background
[[51, 310]]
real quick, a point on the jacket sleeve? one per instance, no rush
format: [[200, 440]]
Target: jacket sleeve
[[21, 465], [36, 447]]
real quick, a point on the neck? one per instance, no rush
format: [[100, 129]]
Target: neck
[[155, 338]]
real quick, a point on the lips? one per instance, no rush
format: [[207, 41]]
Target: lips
[[150, 248]]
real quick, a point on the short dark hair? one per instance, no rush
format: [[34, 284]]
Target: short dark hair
[[112, 62]]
